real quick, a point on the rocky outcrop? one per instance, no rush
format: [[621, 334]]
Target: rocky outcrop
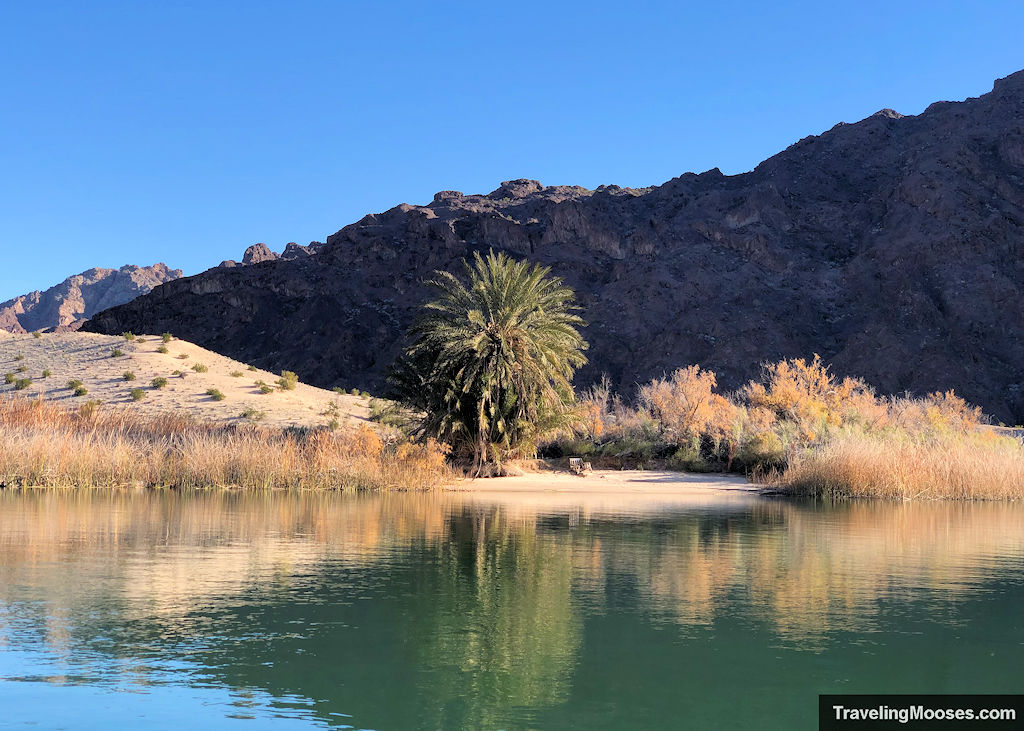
[[259, 253], [67, 305], [893, 247]]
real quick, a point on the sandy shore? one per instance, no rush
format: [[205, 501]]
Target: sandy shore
[[87, 357], [612, 491]]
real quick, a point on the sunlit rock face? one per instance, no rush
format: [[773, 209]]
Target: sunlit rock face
[[67, 305], [892, 247]]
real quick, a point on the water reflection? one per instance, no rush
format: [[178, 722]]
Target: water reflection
[[447, 610]]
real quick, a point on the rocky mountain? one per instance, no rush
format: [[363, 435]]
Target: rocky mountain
[[893, 247], [67, 305]]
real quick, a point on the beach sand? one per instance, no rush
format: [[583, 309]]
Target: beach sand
[[611, 491]]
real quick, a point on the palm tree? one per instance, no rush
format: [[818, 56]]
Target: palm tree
[[491, 360]]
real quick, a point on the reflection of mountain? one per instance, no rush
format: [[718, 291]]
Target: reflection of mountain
[[437, 611]]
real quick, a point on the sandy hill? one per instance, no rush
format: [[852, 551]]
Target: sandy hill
[[88, 358]]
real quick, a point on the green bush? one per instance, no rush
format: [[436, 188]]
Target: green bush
[[263, 387], [236, 374], [81, 390], [162, 349], [158, 382], [22, 383], [167, 337], [128, 376], [36, 334], [287, 381], [182, 356], [199, 368], [339, 389], [137, 394], [215, 394], [253, 414], [128, 335], [116, 353], [19, 357], [8, 378], [21, 369], [252, 368], [74, 383], [47, 373]]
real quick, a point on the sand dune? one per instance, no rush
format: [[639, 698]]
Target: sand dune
[[88, 358]]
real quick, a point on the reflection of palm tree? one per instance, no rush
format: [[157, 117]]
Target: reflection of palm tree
[[504, 632]]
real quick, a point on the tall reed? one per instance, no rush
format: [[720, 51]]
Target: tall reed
[[44, 445], [896, 465]]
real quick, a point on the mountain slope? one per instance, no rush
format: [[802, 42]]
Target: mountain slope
[[892, 247], [66, 305]]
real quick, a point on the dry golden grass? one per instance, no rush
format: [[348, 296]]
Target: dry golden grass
[[894, 465], [44, 445]]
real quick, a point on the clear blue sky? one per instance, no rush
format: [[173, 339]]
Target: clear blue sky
[[135, 132]]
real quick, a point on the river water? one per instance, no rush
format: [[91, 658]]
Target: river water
[[218, 610]]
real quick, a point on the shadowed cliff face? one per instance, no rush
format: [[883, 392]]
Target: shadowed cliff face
[[66, 305], [892, 247]]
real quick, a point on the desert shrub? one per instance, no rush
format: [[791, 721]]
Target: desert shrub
[[128, 376], [128, 335], [167, 337], [8, 378], [80, 390], [47, 373], [74, 383], [264, 388], [354, 391], [140, 340], [21, 369], [137, 394], [199, 368], [116, 353], [19, 357], [252, 368], [182, 356], [215, 394], [36, 334], [339, 389], [158, 382], [22, 383], [236, 374], [163, 349], [287, 381], [253, 414]]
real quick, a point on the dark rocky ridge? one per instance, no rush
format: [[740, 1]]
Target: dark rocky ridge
[[66, 306], [892, 247]]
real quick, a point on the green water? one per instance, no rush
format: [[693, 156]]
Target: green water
[[221, 610]]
